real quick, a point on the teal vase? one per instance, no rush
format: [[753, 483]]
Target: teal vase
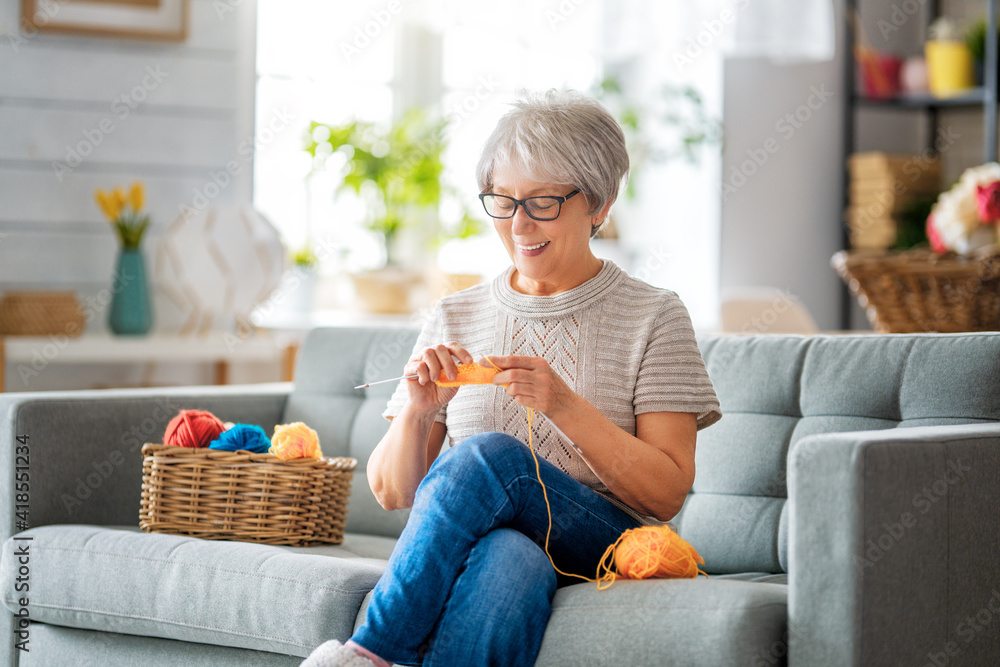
[[131, 313]]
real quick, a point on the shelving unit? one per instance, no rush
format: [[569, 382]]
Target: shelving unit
[[983, 97]]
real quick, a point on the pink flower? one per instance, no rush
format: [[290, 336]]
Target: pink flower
[[937, 245], [988, 202]]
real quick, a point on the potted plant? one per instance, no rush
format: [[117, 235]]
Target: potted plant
[[302, 279], [396, 170]]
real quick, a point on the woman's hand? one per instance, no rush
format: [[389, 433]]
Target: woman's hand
[[532, 383], [425, 394]]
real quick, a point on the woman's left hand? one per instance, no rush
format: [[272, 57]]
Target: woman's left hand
[[532, 383]]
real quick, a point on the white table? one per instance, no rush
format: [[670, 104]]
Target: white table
[[221, 349]]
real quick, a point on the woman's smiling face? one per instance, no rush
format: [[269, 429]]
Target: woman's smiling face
[[549, 256]]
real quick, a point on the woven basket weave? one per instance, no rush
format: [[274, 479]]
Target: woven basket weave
[[219, 495], [39, 313], [917, 291]]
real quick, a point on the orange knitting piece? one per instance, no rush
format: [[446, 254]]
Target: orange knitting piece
[[468, 374]]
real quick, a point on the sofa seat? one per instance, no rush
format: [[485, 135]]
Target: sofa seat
[[236, 594], [251, 596]]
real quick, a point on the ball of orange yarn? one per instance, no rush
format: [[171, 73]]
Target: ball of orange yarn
[[656, 552], [295, 441], [193, 428]]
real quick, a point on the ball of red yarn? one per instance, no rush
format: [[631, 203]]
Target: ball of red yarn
[[193, 428]]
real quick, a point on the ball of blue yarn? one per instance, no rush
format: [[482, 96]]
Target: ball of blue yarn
[[250, 437]]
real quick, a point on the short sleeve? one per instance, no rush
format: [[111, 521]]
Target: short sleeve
[[430, 334], [672, 375]]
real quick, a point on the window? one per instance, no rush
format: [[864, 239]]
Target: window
[[371, 60]]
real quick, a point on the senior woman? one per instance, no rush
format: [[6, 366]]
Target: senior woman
[[617, 383]]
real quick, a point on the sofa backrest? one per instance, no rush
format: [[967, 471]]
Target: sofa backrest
[[776, 389], [331, 362]]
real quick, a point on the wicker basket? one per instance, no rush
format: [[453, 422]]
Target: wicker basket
[[916, 290], [219, 495], [38, 313]]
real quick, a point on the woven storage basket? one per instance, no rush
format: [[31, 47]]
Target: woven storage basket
[[916, 290], [219, 495], [38, 313]]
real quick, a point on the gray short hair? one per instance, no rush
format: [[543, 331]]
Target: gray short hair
[[559, 137]]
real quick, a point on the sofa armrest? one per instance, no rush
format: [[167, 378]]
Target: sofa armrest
[[84, 462], [894, 547]]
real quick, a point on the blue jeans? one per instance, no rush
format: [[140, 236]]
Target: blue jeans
[[468, 582]]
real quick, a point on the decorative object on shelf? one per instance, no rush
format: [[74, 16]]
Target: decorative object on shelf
[[882, 188], [163, 20], [220, 495], [40, 313], [913, 76], [964, 219], [919, 290], [880, 72], [949, 61], [131, 311], [396, 170], [215, 267]]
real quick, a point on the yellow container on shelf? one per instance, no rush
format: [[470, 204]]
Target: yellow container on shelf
[[949, 67]]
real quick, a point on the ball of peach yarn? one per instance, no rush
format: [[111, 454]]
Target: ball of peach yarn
[[295, 441]]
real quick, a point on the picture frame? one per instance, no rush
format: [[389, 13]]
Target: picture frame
[[162, 20]]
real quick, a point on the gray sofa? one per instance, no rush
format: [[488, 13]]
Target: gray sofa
[[846, 507]]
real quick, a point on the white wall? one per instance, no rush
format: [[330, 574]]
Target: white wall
[[61, 95], [781, 209]]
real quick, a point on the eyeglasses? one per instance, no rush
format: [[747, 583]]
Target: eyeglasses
[[537, 208]]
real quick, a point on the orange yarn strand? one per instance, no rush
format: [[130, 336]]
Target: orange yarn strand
[[639, 553]]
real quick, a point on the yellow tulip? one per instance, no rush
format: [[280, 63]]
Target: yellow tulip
[[118, 197], [104, 202], [136, 195]]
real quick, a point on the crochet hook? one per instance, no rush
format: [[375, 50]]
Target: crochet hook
[[404, 377]]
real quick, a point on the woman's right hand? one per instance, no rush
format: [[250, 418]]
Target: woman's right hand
[[425, 394]]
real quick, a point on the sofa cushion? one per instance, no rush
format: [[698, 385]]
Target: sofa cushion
[[673, 622], [237, 594]]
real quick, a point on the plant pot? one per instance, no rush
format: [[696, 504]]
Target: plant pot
[[385, 290], [131, 313]]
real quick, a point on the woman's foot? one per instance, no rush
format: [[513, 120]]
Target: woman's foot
[[334, 654]]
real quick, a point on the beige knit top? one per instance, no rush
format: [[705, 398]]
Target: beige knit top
[[625, 346]]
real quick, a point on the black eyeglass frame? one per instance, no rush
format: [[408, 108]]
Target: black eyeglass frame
[[521, 203]]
